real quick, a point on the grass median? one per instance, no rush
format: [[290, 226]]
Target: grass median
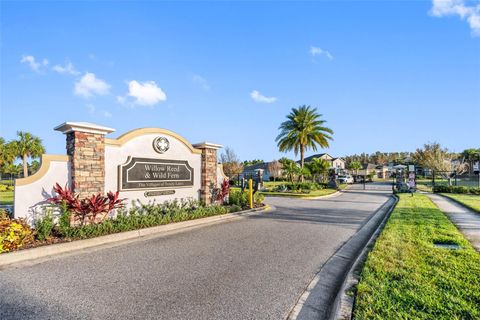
[[407, 277], [469, 200]]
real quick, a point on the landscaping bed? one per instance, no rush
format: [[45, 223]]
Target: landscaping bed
[[299, 190], [412, 272]]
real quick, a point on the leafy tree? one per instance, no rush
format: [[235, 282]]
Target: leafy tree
[[433, 156], [275, 169], [471, 156], [7, 153], [231, 164], [11, 169], [355, 165], [27, 146], [303, 129]]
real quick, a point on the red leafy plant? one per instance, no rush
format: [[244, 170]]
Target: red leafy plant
[[224, 191], [90, 210]]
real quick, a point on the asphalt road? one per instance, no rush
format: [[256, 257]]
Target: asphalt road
[[253, 268]]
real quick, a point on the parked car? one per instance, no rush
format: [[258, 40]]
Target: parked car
[[345, 179]]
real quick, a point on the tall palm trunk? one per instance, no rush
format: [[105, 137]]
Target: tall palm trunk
[[25, 166], [302, 160]]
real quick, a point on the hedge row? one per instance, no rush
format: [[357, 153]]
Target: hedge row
[[456, 189]]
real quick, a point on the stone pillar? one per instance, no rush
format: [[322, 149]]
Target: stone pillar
[[86, 149], [209, 170]]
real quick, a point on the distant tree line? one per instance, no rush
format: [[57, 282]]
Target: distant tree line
[[431, 155]]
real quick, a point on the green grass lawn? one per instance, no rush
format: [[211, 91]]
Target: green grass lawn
[[6, 197], [407, 277], [272, 184], [469, 200]]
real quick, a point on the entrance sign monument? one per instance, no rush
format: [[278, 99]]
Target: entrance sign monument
[[148, 164]]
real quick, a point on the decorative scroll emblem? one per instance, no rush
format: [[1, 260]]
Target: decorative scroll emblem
[[161, 144]]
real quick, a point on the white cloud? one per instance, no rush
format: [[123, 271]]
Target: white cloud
[[32, 63], [107, 114], [201, 81], [67, 69], [316, 51], [89, 85], [471, 14], [143, 93], [258, 97]]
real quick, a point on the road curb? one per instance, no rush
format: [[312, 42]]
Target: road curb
[[48, 251], [346, 299], [323, 296]]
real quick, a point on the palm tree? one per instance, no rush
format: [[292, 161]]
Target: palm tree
[[27, 146], [318, 166], [6, 152], [290, 169], [302, 130], [7, 155]]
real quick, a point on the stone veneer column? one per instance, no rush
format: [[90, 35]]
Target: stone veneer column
[[209, 170], [86, 148]]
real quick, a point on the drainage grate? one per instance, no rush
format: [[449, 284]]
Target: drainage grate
[[451, 246]]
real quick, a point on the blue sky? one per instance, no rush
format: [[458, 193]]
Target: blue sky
[[387, 76]]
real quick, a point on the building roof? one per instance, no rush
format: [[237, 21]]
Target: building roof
[[368, 166], [262, 165], [318, 155]]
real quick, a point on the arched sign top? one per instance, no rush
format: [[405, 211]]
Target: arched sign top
[[126, 137]]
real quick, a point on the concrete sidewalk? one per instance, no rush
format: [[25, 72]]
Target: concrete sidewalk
[[466, 220]]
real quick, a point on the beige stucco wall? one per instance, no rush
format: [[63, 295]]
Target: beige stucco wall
[[141, 146], [31, 193], [221, 176]]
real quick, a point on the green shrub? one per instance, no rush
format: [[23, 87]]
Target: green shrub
[[3, 188], [64, 228], [239, 198], [44, 227], [143, 216], [456, 189], [10, 188], [14, 234], [304, 187], [258, 198]]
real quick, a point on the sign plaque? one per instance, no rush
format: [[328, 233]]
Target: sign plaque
[[158, 193], [146, 173]]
